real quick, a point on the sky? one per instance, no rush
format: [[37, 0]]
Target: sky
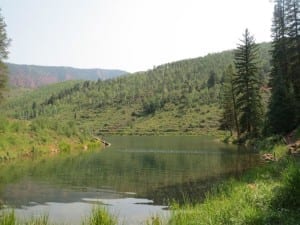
[[131, 35]]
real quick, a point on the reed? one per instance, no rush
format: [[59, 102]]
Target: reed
[[99, 216]]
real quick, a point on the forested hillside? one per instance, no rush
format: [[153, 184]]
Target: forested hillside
[[30, 76], [182, 96]]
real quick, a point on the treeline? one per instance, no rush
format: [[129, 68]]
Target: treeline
[[27, 104], [244, 111], [284, 108], [183, 84], [4, 43]]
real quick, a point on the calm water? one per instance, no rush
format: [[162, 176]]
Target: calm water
[[134, 178]]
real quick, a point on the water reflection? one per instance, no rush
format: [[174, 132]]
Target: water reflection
[[155, 169]]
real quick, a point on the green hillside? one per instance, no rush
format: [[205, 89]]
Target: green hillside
[[179, 97]]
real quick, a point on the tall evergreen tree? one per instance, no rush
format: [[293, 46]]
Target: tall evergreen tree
[[281, 109], [212, 80], [230, 113], [293, 32], [284, 105], [247, 86], [4, 43]]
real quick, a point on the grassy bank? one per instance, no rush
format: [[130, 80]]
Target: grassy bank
[[19, 138], [269, 194]]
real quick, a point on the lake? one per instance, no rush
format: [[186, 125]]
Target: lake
[[135, 178]]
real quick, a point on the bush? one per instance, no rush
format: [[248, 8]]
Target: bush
[[93, 144], [268, 144], [152, 106], [64, 147]]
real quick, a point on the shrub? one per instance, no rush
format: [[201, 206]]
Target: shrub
[[93, 144], [64, 147]]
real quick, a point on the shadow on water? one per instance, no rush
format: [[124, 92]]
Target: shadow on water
[[192, 189]]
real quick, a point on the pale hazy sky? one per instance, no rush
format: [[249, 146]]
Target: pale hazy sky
[[128, 34]]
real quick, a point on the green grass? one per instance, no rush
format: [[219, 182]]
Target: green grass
[[98, 216], [7, 218], [269, 194], [125, 121], [19, 139]]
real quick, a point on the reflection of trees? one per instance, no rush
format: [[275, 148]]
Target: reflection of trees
[[149, 161], [194, 188], [192, 191], [149, 174]]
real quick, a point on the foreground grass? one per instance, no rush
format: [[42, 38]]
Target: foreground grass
[[269, 194], [99, 216]]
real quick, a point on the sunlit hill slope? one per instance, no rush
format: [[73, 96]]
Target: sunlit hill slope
[[178, 97]]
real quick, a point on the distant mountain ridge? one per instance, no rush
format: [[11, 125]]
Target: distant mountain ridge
[[33, 76]]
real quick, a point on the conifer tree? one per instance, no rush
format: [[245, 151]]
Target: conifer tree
[[247, 87], [212, 80], [230, 113], [281, 108], [293, 33], [4, 43], [284, 103]]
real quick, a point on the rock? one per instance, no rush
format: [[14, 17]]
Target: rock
[[294, 149], [268, 157]]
